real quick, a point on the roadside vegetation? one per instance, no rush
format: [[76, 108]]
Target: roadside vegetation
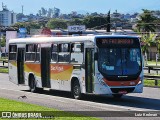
[[3, 70], [12, 105], [150, 83], [153, 62], [4, 59]]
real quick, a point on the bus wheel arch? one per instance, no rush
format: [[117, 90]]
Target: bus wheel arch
[[76, 88], [32, 83]]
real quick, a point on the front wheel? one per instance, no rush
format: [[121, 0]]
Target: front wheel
[[76, 91]]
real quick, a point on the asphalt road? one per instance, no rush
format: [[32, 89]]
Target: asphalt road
[[149, 100]]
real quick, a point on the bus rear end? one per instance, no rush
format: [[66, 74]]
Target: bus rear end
[[118, 68]]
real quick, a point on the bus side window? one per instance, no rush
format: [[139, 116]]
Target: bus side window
[[64, 53], [77, 47], [77, 53], [30, 52], [37, 50], [12, 52], [54, 53]]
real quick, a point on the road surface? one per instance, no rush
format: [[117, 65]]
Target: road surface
[[147, 101]]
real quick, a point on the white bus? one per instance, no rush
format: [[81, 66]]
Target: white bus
[[101, 64]]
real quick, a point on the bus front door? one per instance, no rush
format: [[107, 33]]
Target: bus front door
[[89, 69], [45, 67], [20, 65]]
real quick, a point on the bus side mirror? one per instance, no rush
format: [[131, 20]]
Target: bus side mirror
[[96, 56]]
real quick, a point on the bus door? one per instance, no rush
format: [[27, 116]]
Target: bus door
[[89, 69], [20, 65], [45, 67]]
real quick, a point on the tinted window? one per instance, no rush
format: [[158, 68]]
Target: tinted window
[[30, 52], [54, 53], [12, 52]]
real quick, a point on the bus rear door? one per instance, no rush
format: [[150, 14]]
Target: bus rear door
[[45, 66], [20, 65]]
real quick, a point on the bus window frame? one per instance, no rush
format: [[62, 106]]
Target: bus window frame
[[13, 52], [54, 52], [37, 52], [64, 52], [34, 51], [81, 51]]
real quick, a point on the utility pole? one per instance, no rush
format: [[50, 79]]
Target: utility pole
[[22, 9], [108, 22]]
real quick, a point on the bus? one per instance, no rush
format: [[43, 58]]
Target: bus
[[95, 64]]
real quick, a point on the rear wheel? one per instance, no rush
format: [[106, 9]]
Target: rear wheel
[[32, 85], [76, 91]]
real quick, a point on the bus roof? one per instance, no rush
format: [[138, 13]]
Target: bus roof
[[36, 40]]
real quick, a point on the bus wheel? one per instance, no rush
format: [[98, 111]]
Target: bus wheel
[[32, 85], [76, 91], [117, 96]]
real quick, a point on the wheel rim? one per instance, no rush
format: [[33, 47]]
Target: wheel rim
[[76, 90], [32, 85]]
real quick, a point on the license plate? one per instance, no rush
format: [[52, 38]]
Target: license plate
[[122, 92]]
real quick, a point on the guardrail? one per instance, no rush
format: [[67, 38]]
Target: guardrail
[[152, 77], [152, 67], [3, 63]]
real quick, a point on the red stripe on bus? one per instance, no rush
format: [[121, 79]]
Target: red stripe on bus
[[122, 83]]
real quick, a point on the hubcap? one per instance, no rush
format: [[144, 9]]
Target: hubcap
[[76, 90]]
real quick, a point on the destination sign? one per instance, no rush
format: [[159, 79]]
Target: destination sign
[[117, 42]]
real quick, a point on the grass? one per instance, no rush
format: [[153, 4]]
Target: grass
[[12, 105], [4, 59], [152, 63], [3, 70], [150, 83]]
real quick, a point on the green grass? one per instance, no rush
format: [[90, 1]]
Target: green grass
[[12, 105], [4, 59], [3, 70], [150, 83], [152, 63]]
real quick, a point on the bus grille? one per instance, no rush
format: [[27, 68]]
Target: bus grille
[[117, 90]]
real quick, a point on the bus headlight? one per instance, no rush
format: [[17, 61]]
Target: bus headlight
[[141, 79], [140, 82]]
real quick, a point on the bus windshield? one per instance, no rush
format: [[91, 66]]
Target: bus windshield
[[119, 61]]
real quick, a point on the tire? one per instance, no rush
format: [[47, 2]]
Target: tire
[[76, 91], [32, 85], [117, 96]]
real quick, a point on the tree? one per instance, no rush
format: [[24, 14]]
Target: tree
[[145, 24], [147, 40], [3, 41], [28, 25], [96, 22], [75, 21], [57, 23]]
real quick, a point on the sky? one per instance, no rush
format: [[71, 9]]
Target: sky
[[82, 6]]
